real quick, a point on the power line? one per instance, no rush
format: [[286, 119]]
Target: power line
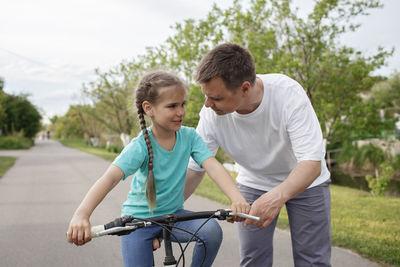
[[25, 57]]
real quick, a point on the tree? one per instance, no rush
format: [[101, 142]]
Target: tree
[[334, 76], [387, 94], [1, 84], [76, 123], [111, 97], [195, 102], [373, 156], [21, 116], [2, 108]]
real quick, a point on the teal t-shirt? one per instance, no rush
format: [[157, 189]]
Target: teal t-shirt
[[169, 171]]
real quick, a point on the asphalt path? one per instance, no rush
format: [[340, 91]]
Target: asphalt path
[[39, 194]]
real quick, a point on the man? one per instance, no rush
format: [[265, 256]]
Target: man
[[267, 125]]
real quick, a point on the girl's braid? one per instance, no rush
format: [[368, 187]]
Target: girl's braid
[[150, 183], [147, 90]]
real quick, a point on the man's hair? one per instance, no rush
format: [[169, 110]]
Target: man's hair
[[231, 62]]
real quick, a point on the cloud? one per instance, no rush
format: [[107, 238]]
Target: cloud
[[49, 48], [18, 66]]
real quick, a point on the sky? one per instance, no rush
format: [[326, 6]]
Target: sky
[[49, 48]]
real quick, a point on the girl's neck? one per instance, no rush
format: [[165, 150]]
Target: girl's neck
[[166, 139]]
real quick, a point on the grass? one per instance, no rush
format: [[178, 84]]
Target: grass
[[366, 224], [15, 142], [369, 226], [81, 144], [5, 164]]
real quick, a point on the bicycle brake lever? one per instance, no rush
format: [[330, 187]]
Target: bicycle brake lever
[[222, 214]]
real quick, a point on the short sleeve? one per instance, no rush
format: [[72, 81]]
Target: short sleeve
[[132, 157], [304, 130], [200, 151], [206, 131]]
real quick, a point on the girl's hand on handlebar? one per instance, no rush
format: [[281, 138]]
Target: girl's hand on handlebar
[[79, 230], [240, 207]]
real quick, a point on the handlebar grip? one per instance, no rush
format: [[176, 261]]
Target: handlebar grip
[[95, 230], [244, 215]]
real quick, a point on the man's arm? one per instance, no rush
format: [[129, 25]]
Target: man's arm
[[193, 179], [269, 204]]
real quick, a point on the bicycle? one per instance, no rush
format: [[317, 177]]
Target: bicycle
[[126, 224]]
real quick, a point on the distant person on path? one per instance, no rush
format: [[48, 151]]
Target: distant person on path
[[267, 124], [158, 157]]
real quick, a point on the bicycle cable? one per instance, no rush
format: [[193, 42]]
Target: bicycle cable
[[167, 225], [193, 235], [168, 228]]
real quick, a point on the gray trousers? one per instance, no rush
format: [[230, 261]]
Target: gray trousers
[[310, 228]]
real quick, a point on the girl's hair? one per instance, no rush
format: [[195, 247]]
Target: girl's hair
[[147, 90]]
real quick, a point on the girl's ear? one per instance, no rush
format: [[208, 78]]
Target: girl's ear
[[147, 108]]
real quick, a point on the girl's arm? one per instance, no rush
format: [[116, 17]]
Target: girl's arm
[[79, 227], [193, 179], [224, 181]]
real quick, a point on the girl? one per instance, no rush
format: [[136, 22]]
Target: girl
[[158, 157]]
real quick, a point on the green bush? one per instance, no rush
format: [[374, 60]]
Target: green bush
[[372, 155], [347, 153], [15, 142], [114, 149], [21, 116], [367, 157], [396, 163], [379, 185]]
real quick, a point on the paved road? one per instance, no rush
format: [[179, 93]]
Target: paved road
[[40, 193]]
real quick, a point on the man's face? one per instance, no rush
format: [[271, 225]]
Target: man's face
[[219, 98]]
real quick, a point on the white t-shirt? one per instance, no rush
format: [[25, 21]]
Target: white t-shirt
[[269, 142]]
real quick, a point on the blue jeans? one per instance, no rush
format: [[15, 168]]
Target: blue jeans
[[137, 247]]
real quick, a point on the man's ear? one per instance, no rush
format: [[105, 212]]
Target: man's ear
[[147, 108], [245, 88]]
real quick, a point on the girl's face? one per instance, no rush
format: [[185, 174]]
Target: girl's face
[[168, 111]]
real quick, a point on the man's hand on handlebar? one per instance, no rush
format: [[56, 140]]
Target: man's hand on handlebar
[[267, 207]]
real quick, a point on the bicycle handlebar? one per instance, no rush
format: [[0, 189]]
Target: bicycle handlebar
[[127, 224]]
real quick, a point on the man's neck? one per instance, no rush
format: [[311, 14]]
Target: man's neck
[[254, 99]]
